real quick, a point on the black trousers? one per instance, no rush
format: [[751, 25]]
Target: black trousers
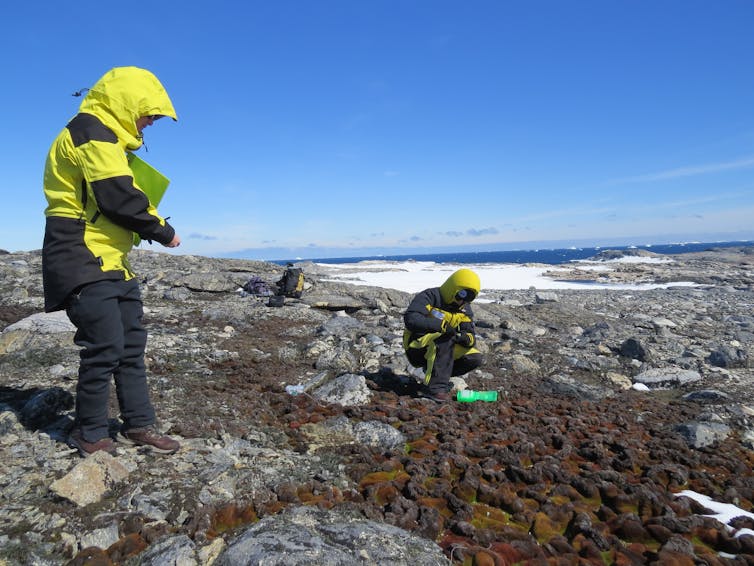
[[107, 316], [445, 365]]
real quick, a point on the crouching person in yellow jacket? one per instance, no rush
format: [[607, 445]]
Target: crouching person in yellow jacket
[[94, 209], [440, 334]]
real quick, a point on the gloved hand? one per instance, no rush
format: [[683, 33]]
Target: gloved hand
[[449, 321], [465, 339], [450, 333]]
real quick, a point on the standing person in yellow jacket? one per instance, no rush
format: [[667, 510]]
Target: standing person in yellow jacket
[[94, 209], [440, 333]]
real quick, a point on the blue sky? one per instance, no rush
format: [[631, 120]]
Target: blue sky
[[357, 127]]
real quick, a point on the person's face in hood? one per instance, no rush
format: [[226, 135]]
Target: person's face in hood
[[461, 287], [127, 100], [145, 121]]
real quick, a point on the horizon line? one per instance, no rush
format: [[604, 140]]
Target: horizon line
[[545, 245]]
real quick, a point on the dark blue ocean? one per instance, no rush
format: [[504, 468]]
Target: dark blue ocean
[[549, 256]]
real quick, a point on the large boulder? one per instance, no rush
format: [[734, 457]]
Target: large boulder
[[337, 537]]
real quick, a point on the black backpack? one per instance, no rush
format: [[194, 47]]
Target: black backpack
[[291, 284]]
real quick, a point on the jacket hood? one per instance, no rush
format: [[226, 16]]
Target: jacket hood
[[123, 95], [461, 279]]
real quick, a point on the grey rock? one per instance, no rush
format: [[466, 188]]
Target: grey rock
[[101, 538], [378, 435], [340, 431], [9, 422], [304, 536], [707, 396], [347, 389], [177, 550], [666, 377], [546, 297], [341, 325], [43, 323], [703, 434], [635, 349], [337, 361], [522, 365], [177, 294], [747, 438], [728, 357], [41, 330], [154, 506], [315, 381], [211, 282], [90, 479], [567, 386], [333, 302]]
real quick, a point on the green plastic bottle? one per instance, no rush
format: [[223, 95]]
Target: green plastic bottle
[[469, 396]]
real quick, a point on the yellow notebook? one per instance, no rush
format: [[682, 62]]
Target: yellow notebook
[[150, 180]]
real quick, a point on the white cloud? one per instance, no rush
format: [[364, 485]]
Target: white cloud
[[690, 171]]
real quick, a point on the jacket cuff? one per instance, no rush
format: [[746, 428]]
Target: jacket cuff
[[164, 235]]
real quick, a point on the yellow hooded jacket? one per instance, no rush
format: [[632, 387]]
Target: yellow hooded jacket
[[434, 311], [94, 207]]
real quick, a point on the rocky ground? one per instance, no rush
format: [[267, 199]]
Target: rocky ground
[[611, 403]]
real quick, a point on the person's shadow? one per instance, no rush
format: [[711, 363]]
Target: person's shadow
[[38, 409], [385, 379]]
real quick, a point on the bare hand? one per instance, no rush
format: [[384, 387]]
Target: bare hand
[[175, 242]]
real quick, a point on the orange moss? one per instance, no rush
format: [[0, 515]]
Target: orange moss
[[126, 547], [421, 446], [705, 536], [399, 476], [486, 517], [560, 499], [272, 507], [508, 553], [384, 494], [437, 503], [484, 558], [229, 517], [325, 499]]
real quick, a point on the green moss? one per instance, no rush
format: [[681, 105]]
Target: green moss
[[486, 517]]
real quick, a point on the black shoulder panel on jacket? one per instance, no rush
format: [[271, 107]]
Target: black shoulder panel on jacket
[[85, 128]]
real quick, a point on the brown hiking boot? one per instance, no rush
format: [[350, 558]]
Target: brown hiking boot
[[437, 396], [149, 437], [440, 396], [86, 448]]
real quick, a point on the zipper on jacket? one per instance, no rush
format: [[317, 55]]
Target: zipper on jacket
[[83, 199]]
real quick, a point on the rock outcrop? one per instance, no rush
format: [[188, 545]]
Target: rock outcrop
[[303, 440]]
